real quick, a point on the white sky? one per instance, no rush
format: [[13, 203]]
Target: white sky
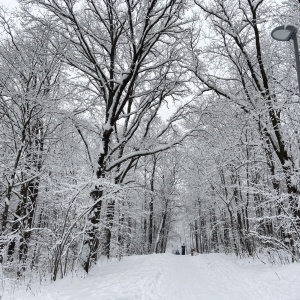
[[9, 3]]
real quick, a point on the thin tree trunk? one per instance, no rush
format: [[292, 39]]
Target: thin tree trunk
[[151, 207]]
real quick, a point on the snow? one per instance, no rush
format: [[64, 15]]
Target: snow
[[172, 277], [107, 127]]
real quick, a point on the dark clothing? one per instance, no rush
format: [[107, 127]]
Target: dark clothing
[[183, 250]]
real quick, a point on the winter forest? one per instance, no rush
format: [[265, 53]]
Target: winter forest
[[129, 125]]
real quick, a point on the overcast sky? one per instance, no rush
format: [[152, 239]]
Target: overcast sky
[[9, 3]]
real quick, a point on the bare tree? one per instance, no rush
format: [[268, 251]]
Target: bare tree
[[129, 53], [239, 32], [29, 79]]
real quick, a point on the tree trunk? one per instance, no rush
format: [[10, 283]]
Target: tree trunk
[[110, 213], [151, 207], [197, 238]]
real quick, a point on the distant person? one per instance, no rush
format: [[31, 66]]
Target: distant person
[[183, 249]]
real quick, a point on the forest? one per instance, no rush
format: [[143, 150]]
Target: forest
[[122, 120]]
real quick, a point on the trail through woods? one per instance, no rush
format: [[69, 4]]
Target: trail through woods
[[172, 277]]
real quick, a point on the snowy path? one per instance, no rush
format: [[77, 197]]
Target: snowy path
[[172, 277], [216, 278]]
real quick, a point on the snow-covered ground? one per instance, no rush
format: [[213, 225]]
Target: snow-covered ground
[[172, 277]]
